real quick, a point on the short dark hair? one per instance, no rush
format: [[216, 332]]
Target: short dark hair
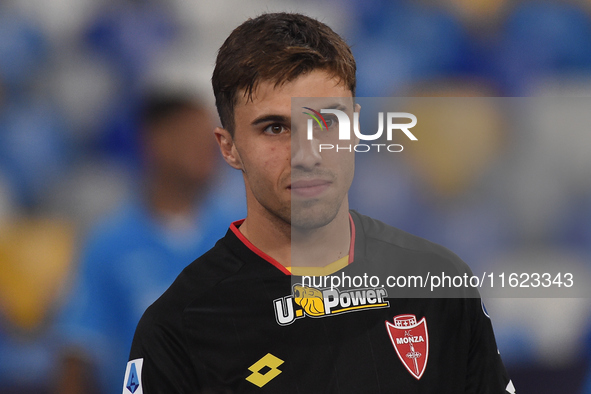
[[157, 106], [276, 47]]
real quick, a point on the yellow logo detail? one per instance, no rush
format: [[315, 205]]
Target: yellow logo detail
[[310, 299], [268, 361]]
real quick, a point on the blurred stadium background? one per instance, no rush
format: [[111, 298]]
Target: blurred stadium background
[[72, 74]]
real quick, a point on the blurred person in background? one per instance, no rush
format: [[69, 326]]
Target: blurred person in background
[[135, 253]]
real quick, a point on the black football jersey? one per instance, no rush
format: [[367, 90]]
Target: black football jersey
[[236, 321]]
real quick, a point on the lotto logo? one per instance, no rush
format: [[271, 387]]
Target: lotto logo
[[268, 364]]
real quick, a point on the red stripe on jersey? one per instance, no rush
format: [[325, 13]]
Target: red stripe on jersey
[[234, 227], [352, 246]]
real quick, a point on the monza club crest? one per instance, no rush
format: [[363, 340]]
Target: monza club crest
[[411, 342]]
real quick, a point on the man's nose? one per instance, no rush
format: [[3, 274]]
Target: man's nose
[[305, 153]]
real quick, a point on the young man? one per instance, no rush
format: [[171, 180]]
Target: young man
[[236, 320]]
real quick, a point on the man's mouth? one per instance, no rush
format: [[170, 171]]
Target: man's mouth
[[308, 188]]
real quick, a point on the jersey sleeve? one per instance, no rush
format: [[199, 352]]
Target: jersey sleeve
[[486, 372], [159, 361]]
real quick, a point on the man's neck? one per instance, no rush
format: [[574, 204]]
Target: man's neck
[[294, 247], [324, 245]]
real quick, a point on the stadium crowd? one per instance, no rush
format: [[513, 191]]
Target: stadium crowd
[[75, 77]]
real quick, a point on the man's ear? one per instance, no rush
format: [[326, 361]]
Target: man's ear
[[228, 149]]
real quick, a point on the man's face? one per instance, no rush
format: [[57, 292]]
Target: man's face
[[181, 147], [286, 176]]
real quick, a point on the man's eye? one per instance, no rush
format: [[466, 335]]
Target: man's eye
[[275, 129], [330, 121]]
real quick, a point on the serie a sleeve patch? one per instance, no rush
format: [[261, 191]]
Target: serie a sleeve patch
[[132, 384]]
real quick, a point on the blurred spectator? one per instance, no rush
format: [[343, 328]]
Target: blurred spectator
[[125, 40], [404, 42], [478, 14], [23, 48], [135, 253], [539, 39], [132, 33], [33, 150]]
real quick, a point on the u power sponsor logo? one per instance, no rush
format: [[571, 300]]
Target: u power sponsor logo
[[312, 302], [337, 117]]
